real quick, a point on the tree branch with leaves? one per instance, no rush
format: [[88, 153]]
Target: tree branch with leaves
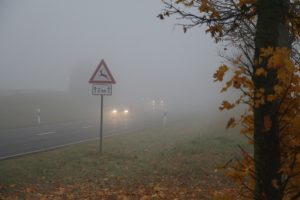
[[266, 71]]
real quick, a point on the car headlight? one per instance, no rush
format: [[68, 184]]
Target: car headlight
[[114, 111], [126, 111]]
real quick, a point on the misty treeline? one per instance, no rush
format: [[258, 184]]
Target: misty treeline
[[261, 43]]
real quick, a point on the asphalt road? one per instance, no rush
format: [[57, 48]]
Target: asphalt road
[[22, 141]]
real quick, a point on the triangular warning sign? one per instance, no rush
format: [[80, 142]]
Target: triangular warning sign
[[102, 75]]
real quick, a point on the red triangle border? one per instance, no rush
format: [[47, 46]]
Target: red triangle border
[[109, 74]]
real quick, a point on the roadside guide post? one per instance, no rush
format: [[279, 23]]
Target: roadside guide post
[[38, 116], [102, 81]]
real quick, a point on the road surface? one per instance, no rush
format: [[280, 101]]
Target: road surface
[[22, 141]]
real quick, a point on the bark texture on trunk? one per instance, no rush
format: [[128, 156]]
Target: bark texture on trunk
[[271, 32]]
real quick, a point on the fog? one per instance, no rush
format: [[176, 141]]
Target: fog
[[55, 45]]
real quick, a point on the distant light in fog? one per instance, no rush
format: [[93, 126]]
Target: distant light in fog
[[153, 102]]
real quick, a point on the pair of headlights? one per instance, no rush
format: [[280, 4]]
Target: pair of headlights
[[115, 111]]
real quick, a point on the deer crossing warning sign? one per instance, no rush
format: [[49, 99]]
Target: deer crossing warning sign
[[102, 75], [102, 81]]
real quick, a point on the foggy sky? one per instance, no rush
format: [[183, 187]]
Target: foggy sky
[[42, 41]]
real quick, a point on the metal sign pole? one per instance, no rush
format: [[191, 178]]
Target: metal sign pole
[[102, 80], [101, 124]]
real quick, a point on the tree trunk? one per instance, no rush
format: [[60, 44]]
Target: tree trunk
[[271, 32]]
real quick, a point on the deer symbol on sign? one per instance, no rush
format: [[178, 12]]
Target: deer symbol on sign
[[102, 74]]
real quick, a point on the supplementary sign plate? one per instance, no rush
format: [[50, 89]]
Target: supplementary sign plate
[[102, 90]]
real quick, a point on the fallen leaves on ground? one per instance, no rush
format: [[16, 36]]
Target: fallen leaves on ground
[[151, 191]]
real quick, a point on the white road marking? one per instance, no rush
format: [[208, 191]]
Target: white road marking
[[45, 133], [84, 127], [112, 134], [60, 146], [47, 149]]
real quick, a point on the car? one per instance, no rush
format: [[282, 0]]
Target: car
[[119, 111]]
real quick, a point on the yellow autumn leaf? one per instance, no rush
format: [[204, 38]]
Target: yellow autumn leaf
[[226, 105], [271, 98], [260, 93], [146, 197], [204, 7], [247, 120], [215, 14], [275, 61], [231, 123], [260, 72], [280, 58], [281, 75], [236, 176], [237, 82], [265, 52], [227, 85], [220, 73], [28, 190], [278, 89], [221, 196], [259, 102]]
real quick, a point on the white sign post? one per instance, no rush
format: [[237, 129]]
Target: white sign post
[[102, 81], [39, 116]]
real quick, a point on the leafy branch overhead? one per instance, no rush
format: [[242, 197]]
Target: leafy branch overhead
[[222, 18]]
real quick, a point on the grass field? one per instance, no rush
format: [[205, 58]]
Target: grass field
[[176, 161]]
